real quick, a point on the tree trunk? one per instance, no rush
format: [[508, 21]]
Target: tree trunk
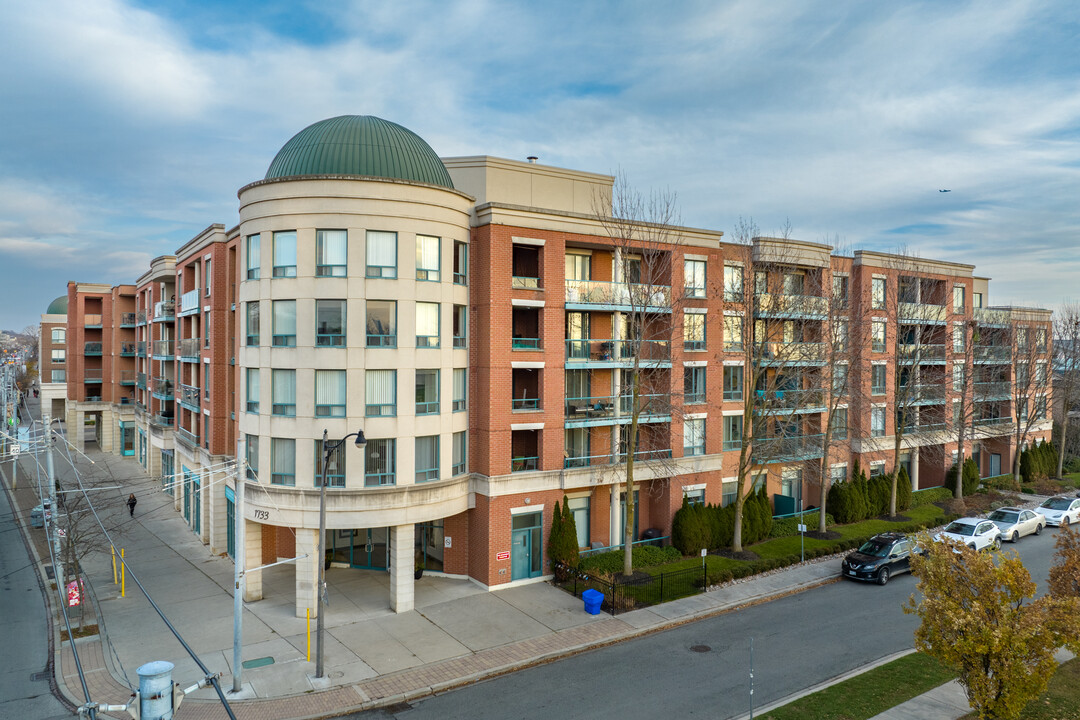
[[628, 502], [1064, 435]]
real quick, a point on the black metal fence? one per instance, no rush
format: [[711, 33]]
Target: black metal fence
[[622, 594]]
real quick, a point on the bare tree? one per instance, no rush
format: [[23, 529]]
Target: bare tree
[[1066, 373], [1029, 334], [644, 230], [963, 341]]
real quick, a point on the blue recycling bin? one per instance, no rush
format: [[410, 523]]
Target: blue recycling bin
[[593, 600]]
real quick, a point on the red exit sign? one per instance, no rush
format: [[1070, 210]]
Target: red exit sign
[[502, 555]]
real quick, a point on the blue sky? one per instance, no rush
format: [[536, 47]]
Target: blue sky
[[129, 126]]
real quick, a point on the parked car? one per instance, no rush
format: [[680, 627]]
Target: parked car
[[1015, 523], [879, 558], [976, 533], [1061, 510]]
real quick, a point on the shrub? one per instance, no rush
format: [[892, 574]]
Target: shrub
[[970, 475], [689, 530], [562, 543], [1027, 467], [903, 490], [838, 502], [786, 527], [955, 506], [950, 478], [879, 495], [930, 495]]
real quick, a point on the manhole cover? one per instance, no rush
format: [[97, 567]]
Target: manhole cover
[[700, 648]]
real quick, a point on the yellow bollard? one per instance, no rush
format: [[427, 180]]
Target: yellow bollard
[[123, 574], [112, 550], [309, 634]]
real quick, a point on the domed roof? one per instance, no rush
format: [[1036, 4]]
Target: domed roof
[[58, 306], [359, 145]]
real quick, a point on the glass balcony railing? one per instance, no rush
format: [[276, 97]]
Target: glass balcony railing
[[521, 282], [140, 348], [92, 375], [127, 349], [786, 449], [923, 312], [924, 393], [127, 319], [619, 351], [611, 406], [92, 348], [596, 292], [164, 419], [187, 437], [611, 458], [993, 421], [127, 377], [189, 348], [921, 352], [996, 389], [189, 396], [791, 399], [524, 343], [532, 403], [524, 464], [163, 348], [791, 305], [189, 303], [140, 317], [782, 353], [163, 311], [162, 387], [992, 352], [140, 380]]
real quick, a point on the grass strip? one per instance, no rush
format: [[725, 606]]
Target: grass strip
[[864, 696], [1061, 701]]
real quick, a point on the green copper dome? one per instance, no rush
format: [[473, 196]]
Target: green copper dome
[[359, 145], [58, 306]]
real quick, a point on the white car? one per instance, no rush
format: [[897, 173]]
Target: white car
[[1016, 523], [1061, 510], [976, 533]]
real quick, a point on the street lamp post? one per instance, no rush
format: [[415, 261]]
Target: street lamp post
[[320, 591]]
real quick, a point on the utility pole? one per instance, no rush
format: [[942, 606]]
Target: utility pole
[[46, 420], [238, 569]]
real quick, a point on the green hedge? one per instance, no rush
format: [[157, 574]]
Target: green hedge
[[930, 495], [785, 527], [644, 556]]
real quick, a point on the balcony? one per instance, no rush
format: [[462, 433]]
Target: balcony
[[786, 449], [615, 410], [187, 438], [140, 380], [987, 317], [163, 311], [997, 390], [127, 320], [924, 394], [922, 313], [140, 348], [92, 321], [189, 349], [619, 353], [163, 419], [189, 303], [924, 428], [992, 353], [92, 375], [524, 343], [792, 353], [162, 388], [611, 458], [922, 353], [140, 317], [162, 349], [809, 400], [521, 282], [189, 397], [93, 398], [127, 349], [127, 377], [524, 464], [92, 348], [993, 422], [595, 294], [791, 306]]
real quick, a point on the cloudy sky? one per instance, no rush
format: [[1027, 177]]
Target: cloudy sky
[[127, 126]]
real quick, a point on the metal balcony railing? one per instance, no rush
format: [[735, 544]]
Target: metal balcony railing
[[189, 348], [127, 349], [610, 458], [127, 319], [920, 352], [190, 395], [162, 387], [92, 348], [596, 292], [620, 351], [786, 449], [163, 348]]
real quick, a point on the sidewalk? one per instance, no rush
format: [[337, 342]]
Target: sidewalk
[[458, 633]]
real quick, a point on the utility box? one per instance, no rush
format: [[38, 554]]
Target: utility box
[[593, 600]]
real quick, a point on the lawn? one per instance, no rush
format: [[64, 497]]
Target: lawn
[[870, 693], [1061, 700]]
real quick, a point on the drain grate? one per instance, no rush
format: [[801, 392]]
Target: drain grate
[[39, 676], [700, 648]]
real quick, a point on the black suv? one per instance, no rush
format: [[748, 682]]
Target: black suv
[[879, 558]]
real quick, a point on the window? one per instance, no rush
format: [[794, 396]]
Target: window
[[253, 245], [208, 276], [251, 389], [251, 457], [957, 377], [877, 293], [253, 324], [380, 462], [59, 376], [284, 330], [1040, 408], [381, 254], [793, 283], [877, 467], [330, 323], [1040, 340], [59, 357], [840, 290], [733, 333], [460, 324], [380, 393], [330, 393], [838, 474], [693, 332], [733, 283], [427, 458], [838, 423], [427, 258], [693, 385], [283, 392], [877, 422], [958, 298], [1040, 374], [459, 451], [461, 385], [839, 380], [840, 334], [733, 382], [427, 325], [461, 263], [694, 437], [381, 323], [331, 253], [59, 336], [285, 254], [206, 324], [282, 461], [579, 508], [958, 338], [877, 379], [694, 497], [728, 492], [577, 266], [335, 465], [761, 282], [877, 336], [977, 300], [733, 432], [427, 392], [694, 278]]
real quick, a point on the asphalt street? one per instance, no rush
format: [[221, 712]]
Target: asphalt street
[[702, 669]]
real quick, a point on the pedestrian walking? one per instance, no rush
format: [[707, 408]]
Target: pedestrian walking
[[131, 503]]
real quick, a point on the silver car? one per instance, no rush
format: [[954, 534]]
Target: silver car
[[1061, 510], [976, 533], [1016, 523]]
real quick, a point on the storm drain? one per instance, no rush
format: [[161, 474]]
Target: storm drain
[[39, 676], [700, 648]]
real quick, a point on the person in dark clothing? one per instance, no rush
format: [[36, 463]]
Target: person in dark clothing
[[131, 503]]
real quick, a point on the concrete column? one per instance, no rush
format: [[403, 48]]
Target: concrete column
[[402, 568], [252, 559], [214, 497], [307, 571], [613, 512], [914, 468]]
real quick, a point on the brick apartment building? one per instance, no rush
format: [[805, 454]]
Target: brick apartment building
[[484, 326]]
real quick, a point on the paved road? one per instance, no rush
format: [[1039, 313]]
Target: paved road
[[799, 642], [23, 630]]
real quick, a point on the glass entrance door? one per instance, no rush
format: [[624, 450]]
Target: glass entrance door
[[370, 548]]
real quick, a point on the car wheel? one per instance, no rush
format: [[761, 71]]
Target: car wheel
[[972, 546], [997, 543], [1038, 529], [1015, 537], [883, 576], [1065, 521]]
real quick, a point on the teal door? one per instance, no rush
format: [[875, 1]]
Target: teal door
[[370, 548], [196, 505], [187, 496], [995, 465], [526, 546]]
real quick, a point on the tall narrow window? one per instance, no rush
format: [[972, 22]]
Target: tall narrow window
[[877, 336], [694, 278], [460, 319], [208, 276], [380, 462], [253, 323], [840, 290], [282, 461], [761, 282], [381, 323], [693, 385], [839, 380], [838, 423], [461, 263], [427, 458], [427, 325], [330, 323], [877, 422], [733, 432], [578, 266], [427, 392], [59, 336], [427, 258], [958, 338], [252, 389], [877, 293], [381, 254], [284, 323], [380, 393], [335, 465], [694, 436], [251, 457], [877, 379], [283, 392], [461, 388], [460, 450], [693, 332], [733, 283], [733, 382], [733, 333], [958, 298], [330, 393], [285, 254], [331, 253], [253, 253]]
